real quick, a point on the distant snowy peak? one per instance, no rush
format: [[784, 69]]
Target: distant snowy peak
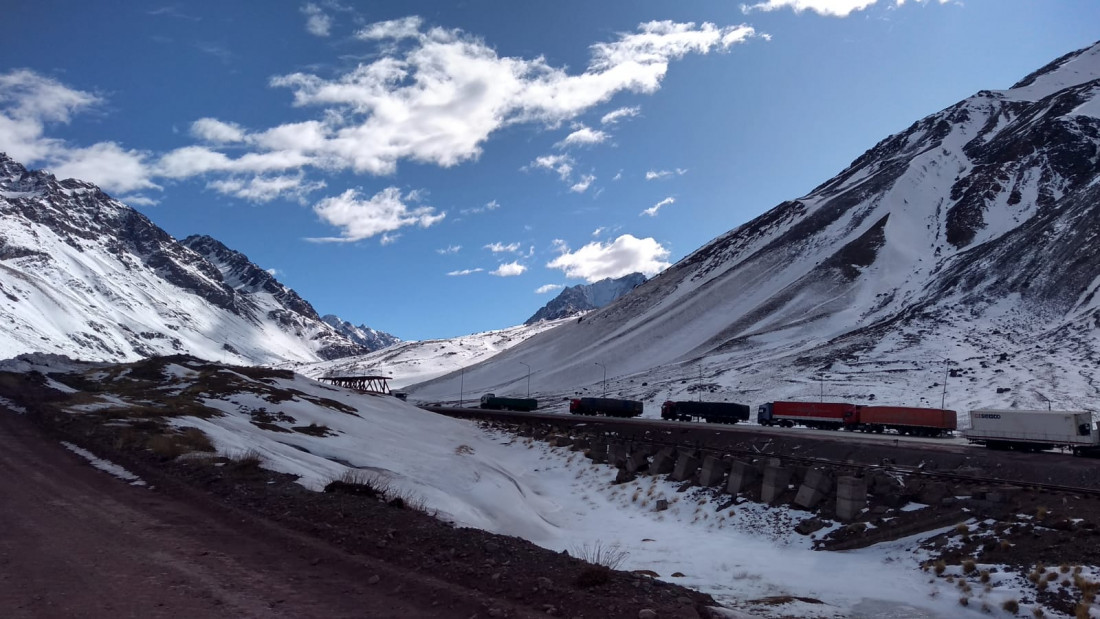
[[1072, 69], [586, 297], [363, 335], [83, 275]]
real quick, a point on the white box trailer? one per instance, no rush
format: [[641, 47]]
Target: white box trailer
[[1034, 430]]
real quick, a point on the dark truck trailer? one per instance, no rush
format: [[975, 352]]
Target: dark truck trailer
[[822, 415], [612, 407], [712, 412], [907, 420], [491, 402]]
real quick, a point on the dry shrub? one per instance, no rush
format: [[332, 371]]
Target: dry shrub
[[247, 462], [610, 556], [962, 528], [171, 445], [1081, 611], [1041, 513], [984, 576], [1011, 606], [964, 601], [1037, 612], [940, 566], [969, 567]]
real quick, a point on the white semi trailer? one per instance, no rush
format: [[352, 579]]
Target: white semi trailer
[[1034, 430]]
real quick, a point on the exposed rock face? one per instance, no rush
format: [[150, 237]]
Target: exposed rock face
[[362, 335], [586, 297], [88, 276]]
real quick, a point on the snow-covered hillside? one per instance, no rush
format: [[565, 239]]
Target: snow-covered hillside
[[413, 362], [84, 275], [964, 245], [582, 298]]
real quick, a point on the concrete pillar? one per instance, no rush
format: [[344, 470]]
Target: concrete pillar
[[598, 451], [616, 454], [579, 444], [686, 465], [816, 484], [742, 474], [638, 461], [776, 480], [664, 461], [714, 469], [851, 497]]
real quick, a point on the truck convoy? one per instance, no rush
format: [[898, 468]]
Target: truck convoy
[[711, 412], [612, 407], [1035, 430], [490, 401]]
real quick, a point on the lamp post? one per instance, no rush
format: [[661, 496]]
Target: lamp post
[[604, 378], [461, 386], [528, 378], [946, 374]]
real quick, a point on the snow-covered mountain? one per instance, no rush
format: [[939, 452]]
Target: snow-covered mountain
[[964, 247], [413, 362], [583, 298], [370, 339], [84, 275]]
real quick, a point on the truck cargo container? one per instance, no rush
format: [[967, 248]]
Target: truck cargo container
[[906, 420], [1034, 430], [491, 402], [612, 407], [822, 415], [711, 412]]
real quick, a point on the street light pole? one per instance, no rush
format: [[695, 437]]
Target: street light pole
[[528, 378], [946, 374], [604, 378], [461, 386]]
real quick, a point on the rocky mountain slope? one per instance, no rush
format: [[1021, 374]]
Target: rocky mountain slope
[[583, 298], [370, 339], [962, 247], [84, 275]]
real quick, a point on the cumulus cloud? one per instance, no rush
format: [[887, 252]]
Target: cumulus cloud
[[498, 248], [491, 205], [659, 174], [583, 136], [624, 255], [266, 188], [383, 212], [465, 272], [652, 211], [562, 165], [450, 249], [29, 102], [615, 116], [509, 269], [318, 23], [389, 239], [582, 185], [548, 288], [216, 131], [831, 8]]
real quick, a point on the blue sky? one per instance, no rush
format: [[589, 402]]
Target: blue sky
[[434, 169]]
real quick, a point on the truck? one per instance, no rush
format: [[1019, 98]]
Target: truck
[[490, 401], [612, 407], [821, 415], [906, 420], [1034, 430], [711, 412]]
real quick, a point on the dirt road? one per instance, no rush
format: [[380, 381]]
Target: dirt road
[[76, 542]]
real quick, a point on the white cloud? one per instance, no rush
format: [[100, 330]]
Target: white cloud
[[317, 22], [652, 211], [396, 29], [138, 200], [548, 288], [618, 176], [381, 213], [465, 272], [624, 255], [29, 102], [582, 185], [273, 272], [389, 239], [509, 269], [450, 249], [106, 164], [659, 174], [498, 248], [266, 188], [216, 131], [583, 136], [491, 205], [560, 164], [615, 116], [831, 8], [598, 231]]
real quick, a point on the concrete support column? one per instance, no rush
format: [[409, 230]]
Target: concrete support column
[[776, 480], [851, 497], [815, 486], [742, 474], [714, 469], [664, 461], [686, 465]]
